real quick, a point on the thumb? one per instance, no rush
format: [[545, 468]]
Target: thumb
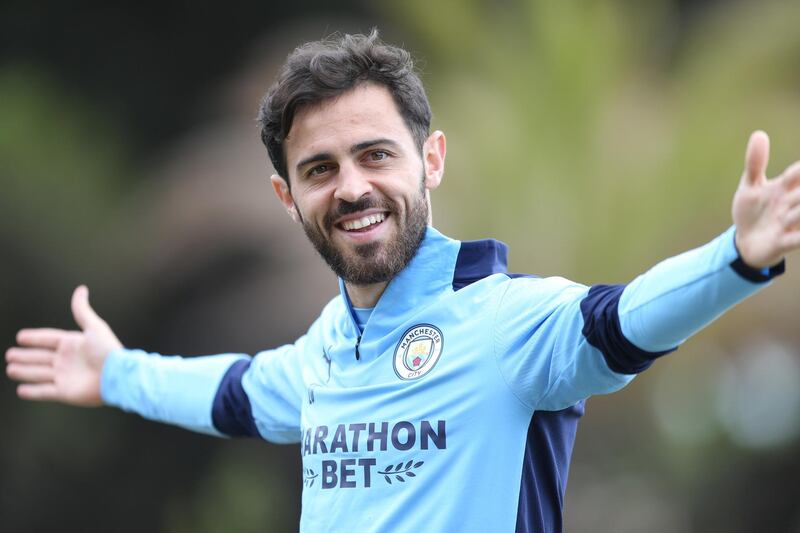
[[756, 159], [81, 310]]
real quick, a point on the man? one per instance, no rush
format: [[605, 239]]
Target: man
[[436, 392]]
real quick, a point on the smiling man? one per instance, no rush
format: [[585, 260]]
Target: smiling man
[[437, 392], [359, 185]]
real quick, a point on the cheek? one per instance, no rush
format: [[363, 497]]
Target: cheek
[[309, 202], [314, 211]]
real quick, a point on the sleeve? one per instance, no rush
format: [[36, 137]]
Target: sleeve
[[225, 395], [676, 298], [557, 342], [169, 389]]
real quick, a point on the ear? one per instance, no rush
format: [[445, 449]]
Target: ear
[[433, 152], [283, 193]]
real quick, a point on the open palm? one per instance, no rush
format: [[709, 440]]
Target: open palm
[[766, 212], [60, 365]]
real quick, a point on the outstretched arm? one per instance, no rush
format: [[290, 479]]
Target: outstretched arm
[[90, 367], [631, 325], [673, 300], [63, 366], [208, 394]]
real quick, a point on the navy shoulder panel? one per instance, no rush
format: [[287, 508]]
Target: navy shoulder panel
[[551, 434], [545, 468], [602, 329], [479, 259], [231, 413]]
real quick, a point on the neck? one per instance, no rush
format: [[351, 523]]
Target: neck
[[365, 296]]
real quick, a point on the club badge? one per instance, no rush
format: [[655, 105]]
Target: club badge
[[418, 351]]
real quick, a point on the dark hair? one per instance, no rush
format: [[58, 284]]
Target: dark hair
[[321, 70]]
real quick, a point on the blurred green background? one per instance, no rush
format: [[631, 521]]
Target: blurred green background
[[595, 137]]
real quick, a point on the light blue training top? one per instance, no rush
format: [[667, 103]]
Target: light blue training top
[[454, 407]]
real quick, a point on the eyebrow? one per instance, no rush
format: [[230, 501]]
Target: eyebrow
[[324, 156], [366, 144]]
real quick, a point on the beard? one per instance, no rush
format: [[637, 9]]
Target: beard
[[373, 262]]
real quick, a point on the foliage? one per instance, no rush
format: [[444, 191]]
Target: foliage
[[580, 127]]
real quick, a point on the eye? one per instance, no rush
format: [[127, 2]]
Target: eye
[[378, 155], [317, 170]]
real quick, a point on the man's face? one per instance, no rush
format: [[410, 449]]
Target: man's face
[[359, 185]]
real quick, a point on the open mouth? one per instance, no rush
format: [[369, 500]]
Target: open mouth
[[363, 224]]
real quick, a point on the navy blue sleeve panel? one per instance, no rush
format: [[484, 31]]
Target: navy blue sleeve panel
[[603, 331], [545, 468], [231, 413]]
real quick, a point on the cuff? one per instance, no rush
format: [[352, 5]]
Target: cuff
[[756, 275], [118, 363]]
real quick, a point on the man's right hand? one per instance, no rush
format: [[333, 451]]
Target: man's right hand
[[64, 366]]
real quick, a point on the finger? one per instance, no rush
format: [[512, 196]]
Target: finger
[[81, 310], [31, 356], [792, 198], [791, 176], [792, 217], [790, 241], [40, 337], [37, 391], [30, 373], [756, 158]]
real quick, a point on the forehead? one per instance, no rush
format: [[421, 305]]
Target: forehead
[[366, 112]]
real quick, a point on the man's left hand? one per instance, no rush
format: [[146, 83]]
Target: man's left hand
[[766, 212]]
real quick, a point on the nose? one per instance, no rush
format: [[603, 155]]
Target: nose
[[351, 183]]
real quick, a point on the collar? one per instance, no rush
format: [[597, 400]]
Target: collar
[[441, 264]]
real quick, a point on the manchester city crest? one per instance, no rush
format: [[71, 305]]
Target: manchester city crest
[[418, 351]]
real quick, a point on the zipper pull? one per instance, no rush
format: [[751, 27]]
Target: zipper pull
[[358, 355]]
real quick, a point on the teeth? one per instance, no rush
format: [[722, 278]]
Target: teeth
[[363, 222]]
